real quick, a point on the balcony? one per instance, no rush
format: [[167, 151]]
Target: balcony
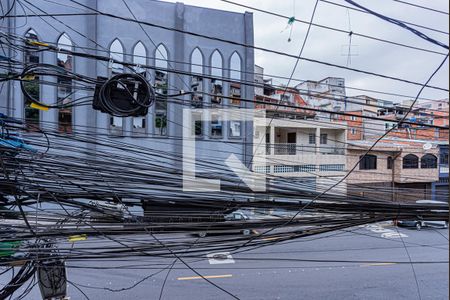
[[294, 149]]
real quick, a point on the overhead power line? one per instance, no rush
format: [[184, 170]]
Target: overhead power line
[[256, 47], [399, 23], [333, 29], [363, 11], [422, 7]]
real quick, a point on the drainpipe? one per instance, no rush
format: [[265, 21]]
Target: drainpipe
[[394, 158]]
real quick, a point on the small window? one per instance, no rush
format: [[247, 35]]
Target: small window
[[324, 139], [216, 82], [235, 75], [390, 163], [312, 139], [64, 90], [216, 126], [410, 161], [140, 58], [116, 52], [198, 124], [353, 118], [32, 87], [161, 87], [353, 131], [428, 161], [197, 79], [235, 129], [368, 162], [444, 158]]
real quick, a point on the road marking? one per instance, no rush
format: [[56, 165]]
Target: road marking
[[385, 232], [220, 258], [206, 277], [77, 238], [393, 235], [378, 265], [271, 238]]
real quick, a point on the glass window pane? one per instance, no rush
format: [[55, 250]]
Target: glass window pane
[[197, 79], [235, 129], [32, 87], [116, 52], [65, 90], [216, 126], [161, 86], [216, 83], [140, 58]]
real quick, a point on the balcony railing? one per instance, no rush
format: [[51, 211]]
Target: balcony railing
[[332, 150], [287, 149], [294, 149]]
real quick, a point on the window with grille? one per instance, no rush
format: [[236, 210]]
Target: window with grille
[[410, 161], [368, 162], [428, 161]]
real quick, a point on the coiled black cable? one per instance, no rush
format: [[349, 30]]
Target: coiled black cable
[[125, 95]]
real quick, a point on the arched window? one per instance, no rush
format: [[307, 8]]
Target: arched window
[[32, 87], [235, 92], [368, 162], [216, 83], [197, 89], [161, 85], [428, 161], [140, 58], [410, 161], [116, 52], [65, 90], [235, 76], [197, 79]]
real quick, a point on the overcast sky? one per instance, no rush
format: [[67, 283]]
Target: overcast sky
[[330, 46]]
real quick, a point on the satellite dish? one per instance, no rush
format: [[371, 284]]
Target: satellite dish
[[427, 146]]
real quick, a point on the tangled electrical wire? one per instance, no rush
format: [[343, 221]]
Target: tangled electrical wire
[[125, 95], [56, 189]]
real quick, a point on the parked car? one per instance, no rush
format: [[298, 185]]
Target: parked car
[[419, 223], [232, 217]]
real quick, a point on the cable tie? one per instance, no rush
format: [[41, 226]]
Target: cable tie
[[29, 77], [39, 106], [36, 43]]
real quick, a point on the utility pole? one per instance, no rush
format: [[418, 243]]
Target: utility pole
[[52, 279]]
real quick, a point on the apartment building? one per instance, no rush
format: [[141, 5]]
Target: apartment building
[[309, 152], [327, 94], [436, 105]]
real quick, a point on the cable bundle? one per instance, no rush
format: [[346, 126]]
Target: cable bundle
[[124, 95]]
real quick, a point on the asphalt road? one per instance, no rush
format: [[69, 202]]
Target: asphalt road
[[360, 263]]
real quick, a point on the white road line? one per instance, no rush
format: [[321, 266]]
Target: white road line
[[220, 258]]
